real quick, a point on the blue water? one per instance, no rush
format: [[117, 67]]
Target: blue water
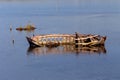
[[59, 16]]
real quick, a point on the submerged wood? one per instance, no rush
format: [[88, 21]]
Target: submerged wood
[[52, 44], [54, 40]]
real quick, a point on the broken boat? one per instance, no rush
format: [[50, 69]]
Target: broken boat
[[54, 40]]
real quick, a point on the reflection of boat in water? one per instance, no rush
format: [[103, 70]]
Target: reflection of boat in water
[[64, 49]]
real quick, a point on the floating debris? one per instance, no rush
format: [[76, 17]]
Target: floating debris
[[13, 41], [10, 28], [26, 28]]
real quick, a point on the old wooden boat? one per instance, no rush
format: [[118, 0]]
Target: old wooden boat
[[54, 40]]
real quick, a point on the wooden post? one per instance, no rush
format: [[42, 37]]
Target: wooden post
[[76, 39]]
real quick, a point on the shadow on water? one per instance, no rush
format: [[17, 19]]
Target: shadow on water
[[66, 49]]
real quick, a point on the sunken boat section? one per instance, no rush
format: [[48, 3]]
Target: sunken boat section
[[54, 40]]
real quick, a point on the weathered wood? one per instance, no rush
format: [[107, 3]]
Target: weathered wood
[[61, 38], [76, 39]]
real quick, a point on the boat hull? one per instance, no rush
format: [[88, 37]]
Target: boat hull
[[32, 43], [59, 39]]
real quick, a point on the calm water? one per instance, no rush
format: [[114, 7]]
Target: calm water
[[18, 62]]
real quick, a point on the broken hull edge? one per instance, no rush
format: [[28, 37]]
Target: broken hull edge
[[31, 43]]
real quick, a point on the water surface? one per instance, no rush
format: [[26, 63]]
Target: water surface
[[18, 62]]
